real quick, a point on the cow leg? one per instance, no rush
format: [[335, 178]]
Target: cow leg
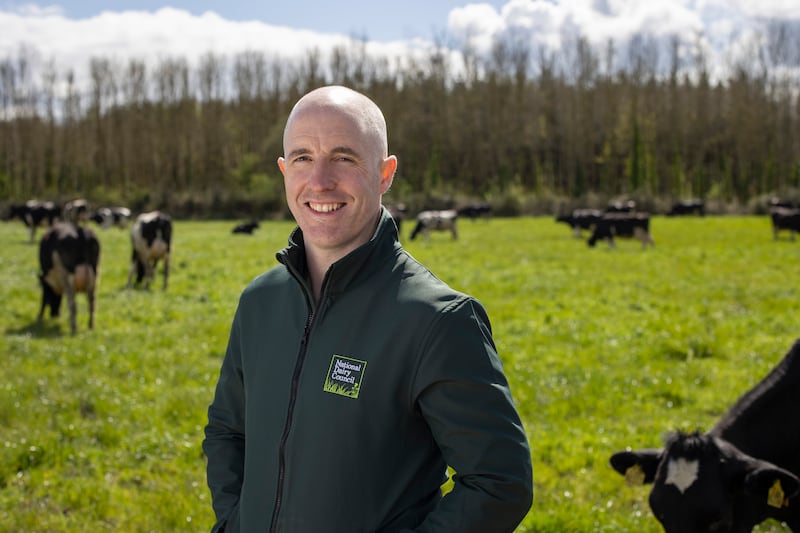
[[455, 231], [644, 237], [131, 272], [166, 270], [90, 298], [44, 304], [67, 283], [69, 288], [149, 272], [73, 310]]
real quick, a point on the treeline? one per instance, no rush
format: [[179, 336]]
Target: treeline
[[523, 127]]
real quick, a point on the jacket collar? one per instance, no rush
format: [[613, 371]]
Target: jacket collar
[[360, 263]]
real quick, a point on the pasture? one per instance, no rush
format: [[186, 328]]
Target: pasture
[[603, 348]]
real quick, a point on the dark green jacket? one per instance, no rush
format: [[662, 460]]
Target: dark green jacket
[[342, 418]]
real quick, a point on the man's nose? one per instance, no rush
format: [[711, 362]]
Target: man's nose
[[321, 177]]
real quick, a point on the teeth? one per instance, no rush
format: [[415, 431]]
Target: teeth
[[324, 208]]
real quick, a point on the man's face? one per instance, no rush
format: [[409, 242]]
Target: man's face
[[334, 175]]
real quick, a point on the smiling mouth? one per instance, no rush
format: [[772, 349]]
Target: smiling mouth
[[325, 207]]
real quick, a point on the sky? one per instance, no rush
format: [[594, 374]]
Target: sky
[[379, 21], [70, 32]]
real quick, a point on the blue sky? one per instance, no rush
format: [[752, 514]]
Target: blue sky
[[379, 21]]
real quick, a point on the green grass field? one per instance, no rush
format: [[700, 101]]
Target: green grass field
[[603, 348]]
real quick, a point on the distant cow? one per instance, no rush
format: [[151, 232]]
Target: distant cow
[[247, 227], [581, 219], [106, 217], [428, 221], [68, 257], [34, 214], [738, 474], [77, 211], [780, 202], [687, 207], [785, 219], [475, 210], [151, 238], [398, 213], [621, 206], [629, 225]]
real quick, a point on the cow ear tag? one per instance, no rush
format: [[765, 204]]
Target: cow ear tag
[[634, 476], [775, 495]]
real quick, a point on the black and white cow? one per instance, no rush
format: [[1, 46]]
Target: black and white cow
[[581, 219], [621, 206], [785, 219], [151, 239], [246, 227], [34, 214], [629, 225], [687, 207], [475, 210], [738, 474], [398, 213], [428, 221], [77, 211], [106, 217], [68, 257], [776, 201]]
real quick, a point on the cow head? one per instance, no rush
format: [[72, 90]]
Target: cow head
[[704, 484]]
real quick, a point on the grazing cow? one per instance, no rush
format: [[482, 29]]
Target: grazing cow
[[581, 219], [475, 210], [151, 238], [627, 206], [612, 225], [780, 202], [688, 207], [247, 227], [34, 214], [77, 211], [785, 219], [740, 473], [106, 217], [68, 257], [428, 221], [398, 213]]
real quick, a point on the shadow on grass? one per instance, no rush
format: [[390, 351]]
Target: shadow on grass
[[35, 329]]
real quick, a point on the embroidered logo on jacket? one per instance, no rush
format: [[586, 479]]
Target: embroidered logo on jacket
[[344, 376]]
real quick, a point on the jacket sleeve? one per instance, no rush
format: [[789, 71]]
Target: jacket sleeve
[[224, 444], [464, 396]]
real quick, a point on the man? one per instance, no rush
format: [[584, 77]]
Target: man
[[353, 377]]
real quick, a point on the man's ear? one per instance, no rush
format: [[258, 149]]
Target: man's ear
[[282, 165], [388, 168]]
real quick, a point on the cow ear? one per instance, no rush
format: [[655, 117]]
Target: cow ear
[[773, 485], [638, 467]]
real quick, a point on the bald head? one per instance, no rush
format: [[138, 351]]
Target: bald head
[[343, 100]]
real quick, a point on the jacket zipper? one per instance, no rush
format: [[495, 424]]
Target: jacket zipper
[[273, 528]]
